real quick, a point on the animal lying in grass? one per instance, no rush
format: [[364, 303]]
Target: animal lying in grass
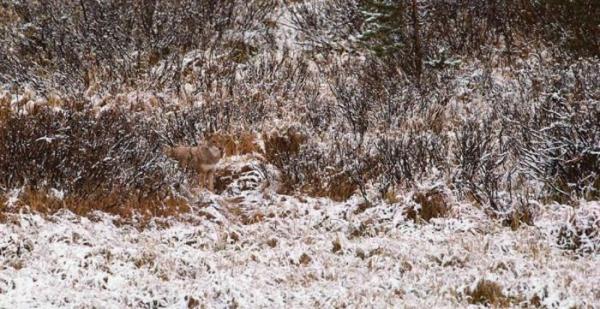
[[201, 159]]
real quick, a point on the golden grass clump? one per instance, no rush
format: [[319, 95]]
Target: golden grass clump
[[278, 145], [247, 143], [237, 144], [518, 217], [488, 293], [4, 106], [391, 196], [338, 188], [8, 16], [433, 204], [125, 205]]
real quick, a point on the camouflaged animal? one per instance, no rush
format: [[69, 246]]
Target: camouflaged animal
[[202, 159]]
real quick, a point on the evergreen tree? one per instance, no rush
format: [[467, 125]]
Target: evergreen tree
[[391, 30], [382, 29]]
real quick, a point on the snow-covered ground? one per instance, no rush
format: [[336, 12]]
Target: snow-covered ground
[[251, 247], [261, 249]]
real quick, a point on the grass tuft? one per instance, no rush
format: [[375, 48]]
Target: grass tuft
[[433, 204], [488, 293]]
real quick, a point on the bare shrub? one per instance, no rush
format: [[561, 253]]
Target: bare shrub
[[118, 42], [281, 147], [308, 168], [480, 155], [405, 158], [571, 25], [581, 233], [326, 26], [109, 162], [408, 34], [336, 171], [561, 134], [76, 151], [188, 125], [353, 103]]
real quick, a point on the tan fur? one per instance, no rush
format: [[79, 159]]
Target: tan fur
[[202, 159]]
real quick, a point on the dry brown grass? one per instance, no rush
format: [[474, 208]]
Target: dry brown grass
[[193, 303], [304, 259], [488, 293], [284, 150], [4, 107], [8, 16], [391, 196], [247, 143], [433, 203], [244, 215], [126, 206], [279, 148], [338, 188], [240, 51], [237, 143], [279, 144], [3, 217], [518, 217]]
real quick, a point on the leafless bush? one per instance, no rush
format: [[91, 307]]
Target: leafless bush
[[565, 153], [384, 121], [319, 113], [479, 153], [336, 171], [326, 25], [581, 232], [189, 125], [114, 41], [345, 167], [408, 33], [353, 104], [407, 158], [560, 141], [75, 151], [371, 96]]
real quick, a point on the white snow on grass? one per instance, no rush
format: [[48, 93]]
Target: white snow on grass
[[298, 252]]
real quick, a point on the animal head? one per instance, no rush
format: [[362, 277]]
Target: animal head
[[214, 140]]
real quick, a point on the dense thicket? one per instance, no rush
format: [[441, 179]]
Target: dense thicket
[[496, 100]]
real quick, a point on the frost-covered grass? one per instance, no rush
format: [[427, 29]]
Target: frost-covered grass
[[299, 252], [506, 127]]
